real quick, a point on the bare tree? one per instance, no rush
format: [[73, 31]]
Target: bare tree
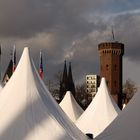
[[129, 89], [81, 95], [54, 86]]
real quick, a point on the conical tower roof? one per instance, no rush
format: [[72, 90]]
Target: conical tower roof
[[64, 78], [63, 82], [100, 113], [29, 112], [71, 107], [71, 86]]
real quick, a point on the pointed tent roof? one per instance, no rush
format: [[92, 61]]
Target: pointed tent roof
[[71, 107], [127, 125], [100, 113], [29, 112]]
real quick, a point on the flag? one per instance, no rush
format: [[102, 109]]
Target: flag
[[8, 73], [14, 58], [41, 66]]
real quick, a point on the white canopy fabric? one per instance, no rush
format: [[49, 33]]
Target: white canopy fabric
[[29, 112], [127, 125], [71, 107], [100, 113]]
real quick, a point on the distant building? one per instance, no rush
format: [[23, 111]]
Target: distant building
[[63, 83], [92, 83], [111, 54], [66, 83]]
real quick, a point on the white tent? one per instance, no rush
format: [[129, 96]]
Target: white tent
[[127, 125], [100, 113], [29, 112], [71, 107]]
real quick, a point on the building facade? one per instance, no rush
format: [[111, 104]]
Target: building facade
[[111, 54], [92, 83]]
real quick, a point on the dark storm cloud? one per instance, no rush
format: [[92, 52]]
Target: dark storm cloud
[[63, 29], [49, 25], [26, 18]]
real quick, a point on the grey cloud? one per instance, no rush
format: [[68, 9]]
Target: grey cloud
[[127, 31], [26, 18], [63, 31]]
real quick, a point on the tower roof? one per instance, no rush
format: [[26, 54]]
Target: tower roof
[[71, 86], [64, 78]]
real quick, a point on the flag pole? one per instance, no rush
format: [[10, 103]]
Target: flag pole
[[113, 36], [14, 58], [0, 62], [41, 66]]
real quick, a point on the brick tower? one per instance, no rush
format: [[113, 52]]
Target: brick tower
[[111, 67]]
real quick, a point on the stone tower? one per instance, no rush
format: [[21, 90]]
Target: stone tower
[[111, 67]]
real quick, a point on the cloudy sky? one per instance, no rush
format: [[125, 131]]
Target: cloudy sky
[[71, 30]]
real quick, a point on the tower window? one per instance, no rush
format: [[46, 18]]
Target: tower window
[[107, 83], [107, 67], [115, 67]]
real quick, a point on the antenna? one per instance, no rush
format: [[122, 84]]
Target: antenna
[[113, 36]]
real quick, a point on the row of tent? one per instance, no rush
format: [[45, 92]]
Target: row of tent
[[104, 119], [29, 112], [99, 114]]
